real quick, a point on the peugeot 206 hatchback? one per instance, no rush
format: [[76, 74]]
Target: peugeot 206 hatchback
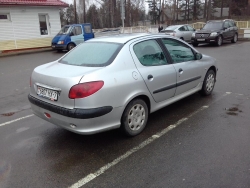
[[116, 82]]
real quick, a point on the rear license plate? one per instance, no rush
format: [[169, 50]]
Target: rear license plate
[[47, 93], [200, 39]]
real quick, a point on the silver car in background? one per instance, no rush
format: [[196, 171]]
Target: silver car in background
[[183, 32], [117, 81]]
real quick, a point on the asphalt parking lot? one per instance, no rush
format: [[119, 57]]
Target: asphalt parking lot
[[196, 142]]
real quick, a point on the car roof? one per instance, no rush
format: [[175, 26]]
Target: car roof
[[124, 38], [119, 38]]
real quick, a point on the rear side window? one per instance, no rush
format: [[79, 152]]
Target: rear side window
[[182, 28], [92, 54], [87, 29], [178, 51], [149, 53]]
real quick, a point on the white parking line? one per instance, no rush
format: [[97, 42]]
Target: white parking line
[[92, 176], [12, 121]]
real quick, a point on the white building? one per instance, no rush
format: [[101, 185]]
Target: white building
[[28, 23]]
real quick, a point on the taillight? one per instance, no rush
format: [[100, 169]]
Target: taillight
[[85, 89]]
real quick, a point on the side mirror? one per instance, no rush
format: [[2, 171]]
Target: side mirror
[[198, 56]]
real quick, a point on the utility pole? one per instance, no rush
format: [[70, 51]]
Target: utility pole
[[122, 14], [75, 11], [84, 12]]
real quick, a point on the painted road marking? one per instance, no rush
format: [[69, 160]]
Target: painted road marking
[[15, 120], [92, 176]]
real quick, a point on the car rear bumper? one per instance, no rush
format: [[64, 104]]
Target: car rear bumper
[[59, 46], [81, 121]]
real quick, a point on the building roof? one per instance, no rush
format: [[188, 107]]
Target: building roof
[[57, 3]]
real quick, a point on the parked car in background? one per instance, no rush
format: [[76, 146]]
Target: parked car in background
[[216, 32], [71, 35], [183, 32], [117, 81]]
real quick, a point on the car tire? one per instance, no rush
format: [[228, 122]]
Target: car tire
[[182, 38], [235, 39], [135, 117], [70, 46], [195, 44], [219, 41], [208, 83]]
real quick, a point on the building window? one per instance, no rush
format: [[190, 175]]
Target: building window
[[43, 24], [4, 17]]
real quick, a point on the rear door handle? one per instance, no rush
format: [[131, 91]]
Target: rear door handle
[[150, 77], [180, 71]]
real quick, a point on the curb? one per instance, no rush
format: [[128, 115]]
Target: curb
[[4, 54]]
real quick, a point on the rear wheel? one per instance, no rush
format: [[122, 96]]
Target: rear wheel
[[235, 39], [219, 41], [208, 84], [135, 117], [195, 44], [70, 46]]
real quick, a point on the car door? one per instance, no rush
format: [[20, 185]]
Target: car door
[[226, 33], [183, 32], [189, 70], [76, 35], [158, 74], [232, 29], [88, 34], [191, 31]]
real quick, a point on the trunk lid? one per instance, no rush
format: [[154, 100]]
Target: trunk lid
[[60, 78]]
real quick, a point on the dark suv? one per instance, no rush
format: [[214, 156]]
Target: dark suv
[[216, 32]]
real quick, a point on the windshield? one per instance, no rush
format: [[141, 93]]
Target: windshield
[[92, 54], [173, 27], [64, 30], [213, 26]]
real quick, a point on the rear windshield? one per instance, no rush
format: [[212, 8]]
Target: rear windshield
[[213, 25], [92, 54]]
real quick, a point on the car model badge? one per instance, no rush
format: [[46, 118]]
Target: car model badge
[[202, 35]]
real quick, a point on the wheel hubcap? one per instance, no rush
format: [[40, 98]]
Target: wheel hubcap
[[136, 117], [235, 38], [210, 83], [219, 41]]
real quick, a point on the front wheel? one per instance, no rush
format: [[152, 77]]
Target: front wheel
[[235, 39], [195, 44], [135, 117], [208, 84], [219, 41], [70, 46]]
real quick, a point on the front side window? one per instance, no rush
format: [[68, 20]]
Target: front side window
[[77, 30], [43, 25], [92, 54], [226, 25], [4, 17], [178, 51], [65, 30], [149, 53], [190, 28]]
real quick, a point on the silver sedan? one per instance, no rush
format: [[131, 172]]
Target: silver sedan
[[117, 81], [183, 32]]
